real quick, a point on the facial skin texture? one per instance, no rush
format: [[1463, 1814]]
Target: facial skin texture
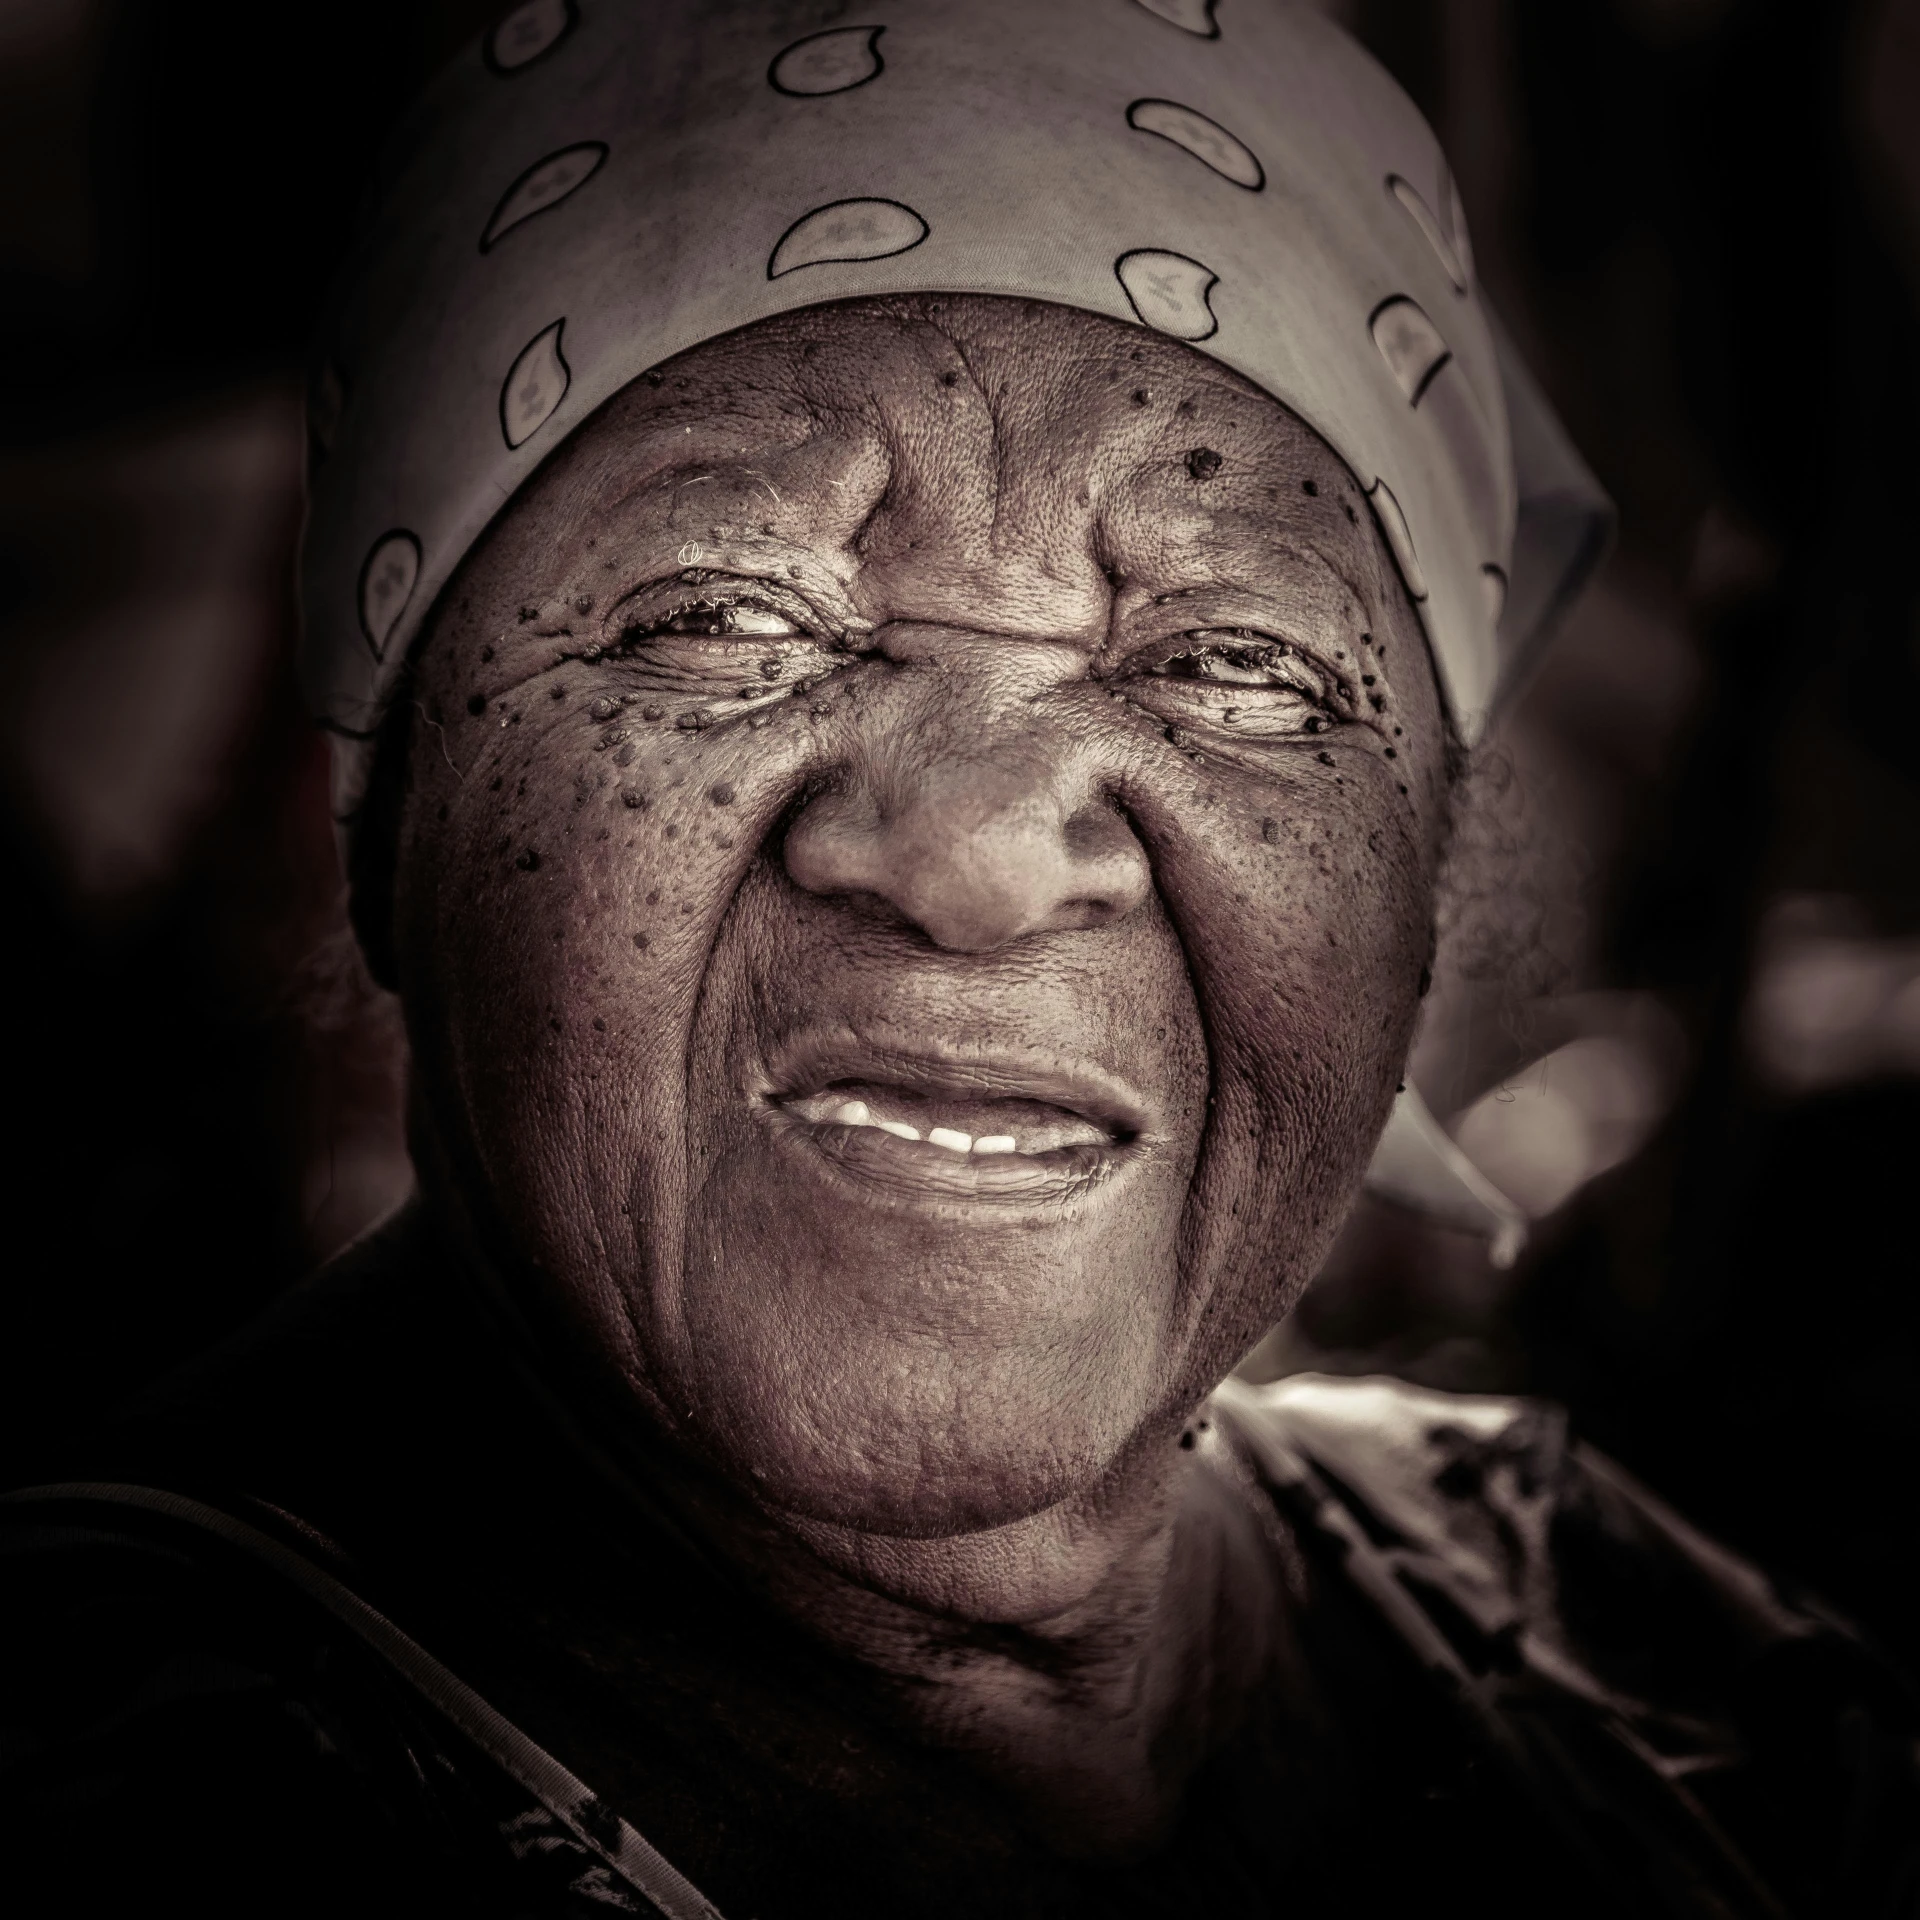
[[1085, 751]]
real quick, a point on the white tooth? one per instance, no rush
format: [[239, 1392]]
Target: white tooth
[[949, 1137], [995, 1143], [899, 1129], [852, 1113]]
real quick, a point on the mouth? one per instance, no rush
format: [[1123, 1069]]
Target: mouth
[[955, 1125]]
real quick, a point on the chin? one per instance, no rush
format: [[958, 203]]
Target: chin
[[884, 1438]]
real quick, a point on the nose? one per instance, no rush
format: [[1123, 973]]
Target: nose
[[978, 842]]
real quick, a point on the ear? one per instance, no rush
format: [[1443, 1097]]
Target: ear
[[373, 851]]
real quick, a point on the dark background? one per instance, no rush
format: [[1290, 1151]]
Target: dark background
[[1701, 219]]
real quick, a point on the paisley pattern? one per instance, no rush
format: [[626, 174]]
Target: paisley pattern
[[386, 585], [536, 385], [1169, 292], [1393, 523], [693, 179], [1209, 142], [544, 184], [836, 61], [1195, 15], [1493, 583], [846, 230], [1410, 344], [529, 31]]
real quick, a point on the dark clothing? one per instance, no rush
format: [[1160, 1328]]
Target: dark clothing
[[1534, 1691]]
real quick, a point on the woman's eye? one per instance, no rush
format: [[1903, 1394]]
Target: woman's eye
[[717, 619], [1242, 681], [1223, 667], [748, 643]]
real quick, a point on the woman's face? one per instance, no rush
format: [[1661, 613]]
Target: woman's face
[[958, 719]]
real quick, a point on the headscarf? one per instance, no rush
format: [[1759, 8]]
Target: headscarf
[[598, 185]]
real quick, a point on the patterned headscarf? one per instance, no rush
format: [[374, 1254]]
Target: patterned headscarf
[[601, 184]]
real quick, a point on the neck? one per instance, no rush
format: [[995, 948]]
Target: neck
[[1089, 1658], [1085, 1659]]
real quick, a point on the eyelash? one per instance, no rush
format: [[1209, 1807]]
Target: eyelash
[[1246, 651], [717, 615]]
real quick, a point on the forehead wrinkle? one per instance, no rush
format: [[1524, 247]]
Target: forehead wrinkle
[[996, 438], [978, 563], [989, 598], [1031, 376], [944, 497], [804, 432], [650, 451]]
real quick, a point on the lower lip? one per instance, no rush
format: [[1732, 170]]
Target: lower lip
[[916, 1170]]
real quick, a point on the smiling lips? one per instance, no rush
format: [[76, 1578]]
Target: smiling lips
[[960, 1126], [955, 1123]]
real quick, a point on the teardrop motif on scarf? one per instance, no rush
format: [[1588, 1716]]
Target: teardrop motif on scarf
[[1493, 588], [1196, 16], [1393, 523], [1409, 343], [836, 61], [388, 576], [1207, 140], [1453, 220], [527, 32], [846, 230], [536, 385], [1169, 292], [1435, 383], [543, 186]]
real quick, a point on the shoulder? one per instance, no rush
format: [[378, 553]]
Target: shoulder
[[1593, 1630], [1532, 1534], [175, 1720]]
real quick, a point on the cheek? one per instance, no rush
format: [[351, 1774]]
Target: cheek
[[575, 890], [1304, 907]]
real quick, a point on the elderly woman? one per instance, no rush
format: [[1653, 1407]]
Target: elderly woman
[[901, 604]]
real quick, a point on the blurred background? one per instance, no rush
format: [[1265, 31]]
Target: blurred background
[[1678, 1019]]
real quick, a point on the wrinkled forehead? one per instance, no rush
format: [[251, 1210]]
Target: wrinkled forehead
[[594, 188], [957, 449], [1012, 394]]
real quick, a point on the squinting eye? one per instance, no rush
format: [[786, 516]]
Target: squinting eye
[[1241, 681], [1224, 666], [714, 619], [1244, 661]]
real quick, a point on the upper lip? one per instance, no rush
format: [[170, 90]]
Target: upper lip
[[809, 1063]]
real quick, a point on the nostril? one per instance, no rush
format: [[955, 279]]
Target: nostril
[[1106, 857], [974, 858]]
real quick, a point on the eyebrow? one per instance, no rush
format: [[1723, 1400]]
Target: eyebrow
[[1305, 551]]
